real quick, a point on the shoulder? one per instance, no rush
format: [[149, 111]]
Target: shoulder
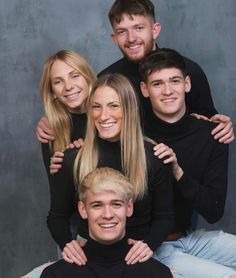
[[60, 268], [118, 66], [148, 269], [193, 68]]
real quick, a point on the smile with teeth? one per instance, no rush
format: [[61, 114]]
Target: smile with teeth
[[107, 125], [107, 225], [72, 95], [168, 100]]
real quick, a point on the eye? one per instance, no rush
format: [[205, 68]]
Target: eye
[[120, 32], [139, 28], [175, 81], [96, 206], [55, 82], [117, 204], [157, 84], [96, 106], [75, 75]]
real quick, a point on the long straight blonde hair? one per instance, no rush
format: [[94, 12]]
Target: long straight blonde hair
[[56, 112], [133, 156]]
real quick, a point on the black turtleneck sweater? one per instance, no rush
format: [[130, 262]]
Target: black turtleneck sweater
[[152, 219], [198, 100], [203, 186], [78, 128], [105, 261]]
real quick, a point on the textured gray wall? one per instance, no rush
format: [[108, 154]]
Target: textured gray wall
[[30, 31]]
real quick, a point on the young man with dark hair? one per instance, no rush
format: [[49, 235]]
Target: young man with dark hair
[[106, 199], [199, 165]]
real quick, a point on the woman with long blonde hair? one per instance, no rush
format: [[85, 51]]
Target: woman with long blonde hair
[[65, 84], [114, 139]]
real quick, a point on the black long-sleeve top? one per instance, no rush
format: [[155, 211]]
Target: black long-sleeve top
[[78, 128], [152, 219], [105, 261], [203, 186], [199, 99]]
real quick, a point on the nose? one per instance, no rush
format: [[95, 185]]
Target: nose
[[68, 85], [168, 89], [131, 36], [104, 114], [107, 212]]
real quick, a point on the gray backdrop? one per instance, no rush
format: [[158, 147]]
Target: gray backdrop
[[30, 31]]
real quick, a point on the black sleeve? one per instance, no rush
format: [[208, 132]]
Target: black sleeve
[[162, 220], [199, 99], [63, 202], [208, 196], [46, 157]]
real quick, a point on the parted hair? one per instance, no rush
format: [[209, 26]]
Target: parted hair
[[106, 179], [159, 59], [56, 112], [133, 156], [130, 7]]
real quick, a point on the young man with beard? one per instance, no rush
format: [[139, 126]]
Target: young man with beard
[[199, 165]]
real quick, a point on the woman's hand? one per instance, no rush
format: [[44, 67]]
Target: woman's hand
[[139, 253], [73, 253], [56, 162]]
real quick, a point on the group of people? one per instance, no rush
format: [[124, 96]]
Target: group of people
[[141, 154]]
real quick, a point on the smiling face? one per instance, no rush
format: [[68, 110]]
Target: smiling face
[[107, 113], [135, 36], [166, 89], [69, 86], [106, 212]]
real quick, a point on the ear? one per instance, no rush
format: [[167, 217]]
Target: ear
[[82, 210], [113, 37], [144, 89], [156, 30], [187, 82], [130, 208]]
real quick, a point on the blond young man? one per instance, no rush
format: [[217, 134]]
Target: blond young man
[[106, 199]]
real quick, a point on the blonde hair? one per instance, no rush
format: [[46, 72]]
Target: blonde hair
[[104, 179], [133, 156], [56, 112]]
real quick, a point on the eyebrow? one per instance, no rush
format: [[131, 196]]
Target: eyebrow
[[70, 73], [170, 78], [112, 102], [112, 201]]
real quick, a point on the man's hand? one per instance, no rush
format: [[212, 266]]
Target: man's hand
[[224, 132], [162, 151], [43, 132], [73, 253], [139, 252]]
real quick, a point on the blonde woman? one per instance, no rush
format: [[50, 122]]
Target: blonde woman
[[66, 82], [114, 139]]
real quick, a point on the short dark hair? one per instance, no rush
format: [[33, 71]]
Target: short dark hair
[[159, 59], [130, 7]]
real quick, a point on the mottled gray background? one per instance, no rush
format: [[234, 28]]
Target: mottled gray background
[[30, 30]]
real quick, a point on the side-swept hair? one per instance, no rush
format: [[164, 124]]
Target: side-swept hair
[[133, 156], [161, 59], [130, 7], [103, 179], [56, 112]]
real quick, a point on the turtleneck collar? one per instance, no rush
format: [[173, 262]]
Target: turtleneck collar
[[161, 129], [100, 253]]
